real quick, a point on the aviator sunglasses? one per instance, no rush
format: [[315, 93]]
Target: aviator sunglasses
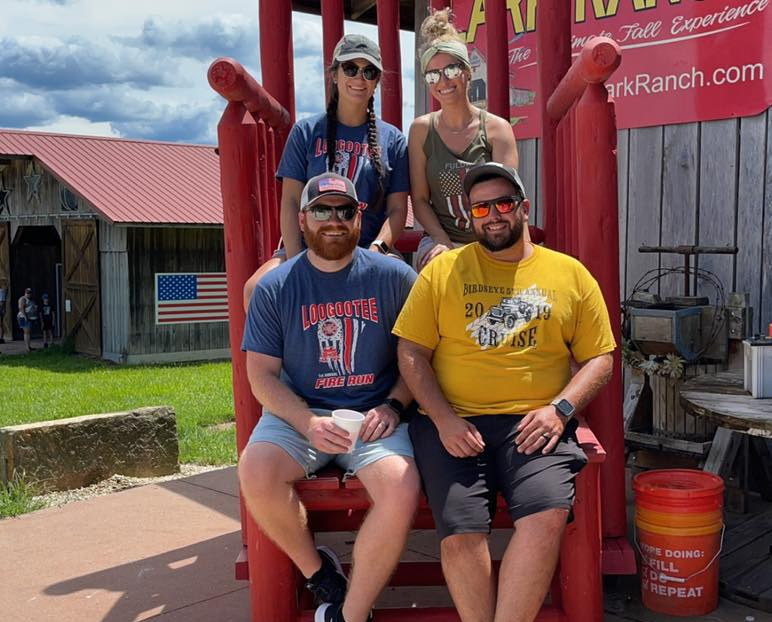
[[323, 213], [503, 205], [369, 72], [452, 71]]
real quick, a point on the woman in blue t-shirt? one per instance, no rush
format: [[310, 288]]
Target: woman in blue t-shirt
[[350, 140]]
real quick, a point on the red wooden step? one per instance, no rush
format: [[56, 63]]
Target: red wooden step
[[439, 614]]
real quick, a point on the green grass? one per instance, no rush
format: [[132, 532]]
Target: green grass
[[51, 384], [18, 497]]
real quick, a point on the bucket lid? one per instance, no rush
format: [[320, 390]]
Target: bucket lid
[[678, 484]]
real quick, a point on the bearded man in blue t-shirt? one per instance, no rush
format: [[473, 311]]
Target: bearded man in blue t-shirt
[[318, 337]]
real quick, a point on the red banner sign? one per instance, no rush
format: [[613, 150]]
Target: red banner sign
[[682, 60]]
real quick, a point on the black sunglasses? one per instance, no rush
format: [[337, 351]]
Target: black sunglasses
[[323, 213], [452, 71], [369, 72], [503, 205]]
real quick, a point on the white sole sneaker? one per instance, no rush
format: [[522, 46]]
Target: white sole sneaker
[[319, 614], [331, 554]]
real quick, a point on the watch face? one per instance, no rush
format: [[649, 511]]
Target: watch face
[[565, 408]]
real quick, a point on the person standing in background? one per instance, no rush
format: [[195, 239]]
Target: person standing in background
[[26, 315], [3, 303], [47, 317]]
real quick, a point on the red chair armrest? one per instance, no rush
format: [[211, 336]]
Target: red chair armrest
[[589, 442]]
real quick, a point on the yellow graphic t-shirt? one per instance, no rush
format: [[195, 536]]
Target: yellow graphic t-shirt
[[502, 333]]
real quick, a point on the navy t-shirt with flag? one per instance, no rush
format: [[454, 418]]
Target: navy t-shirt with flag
[[332, 330], [305, 156]]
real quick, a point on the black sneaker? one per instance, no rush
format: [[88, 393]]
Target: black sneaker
[[333, 613], [329, 584]]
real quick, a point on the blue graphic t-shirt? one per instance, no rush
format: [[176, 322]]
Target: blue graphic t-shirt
[[305, 155], [332, 330]]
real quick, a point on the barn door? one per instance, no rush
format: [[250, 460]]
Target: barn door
[[5, 277], [81, 285]]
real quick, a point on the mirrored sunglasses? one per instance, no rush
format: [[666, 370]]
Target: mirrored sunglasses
[[369, 72], [503, 205], [323, 213], [452, 71]]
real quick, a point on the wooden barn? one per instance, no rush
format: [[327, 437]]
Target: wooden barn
[[126, 238]]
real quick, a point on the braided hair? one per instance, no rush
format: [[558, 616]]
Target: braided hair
[[373, 148]]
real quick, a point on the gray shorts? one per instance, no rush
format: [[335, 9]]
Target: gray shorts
[[462, 492], [274, 430]]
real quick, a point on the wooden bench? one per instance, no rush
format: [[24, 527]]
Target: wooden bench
[[337, 504]]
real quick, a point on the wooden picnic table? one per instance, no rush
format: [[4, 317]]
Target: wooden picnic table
[[746, 562], [721, 399]]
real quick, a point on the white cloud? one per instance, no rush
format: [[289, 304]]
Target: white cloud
[[75, 125], [138, 69]]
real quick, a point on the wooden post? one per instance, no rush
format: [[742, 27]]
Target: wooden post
[[276, 56], [496, 20], [598, 244], [435, 5], [553, 41], [391, 80], [248, 151], [237, 140], [332, 31]]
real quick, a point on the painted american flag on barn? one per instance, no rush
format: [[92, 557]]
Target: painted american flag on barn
[[188, 298]]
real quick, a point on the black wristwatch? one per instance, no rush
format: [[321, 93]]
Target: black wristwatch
[[397, 406], [564, 408], [382, 247]]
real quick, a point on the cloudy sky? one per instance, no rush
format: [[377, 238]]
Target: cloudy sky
[[137, 69]]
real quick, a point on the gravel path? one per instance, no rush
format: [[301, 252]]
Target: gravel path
[[117, 483]]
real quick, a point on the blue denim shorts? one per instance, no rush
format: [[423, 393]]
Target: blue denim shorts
[[274, 430]]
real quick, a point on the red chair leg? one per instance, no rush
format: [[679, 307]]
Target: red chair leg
[[580, 555], [272, 578]]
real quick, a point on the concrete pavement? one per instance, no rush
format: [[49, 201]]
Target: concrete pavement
[[166, 551]]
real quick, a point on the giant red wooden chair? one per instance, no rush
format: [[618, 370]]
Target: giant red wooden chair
[[251, 134]]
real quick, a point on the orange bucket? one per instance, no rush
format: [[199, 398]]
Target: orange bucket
[[679, 524]]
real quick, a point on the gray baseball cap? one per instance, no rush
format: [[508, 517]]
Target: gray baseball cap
[[358, 46], [327, 184], [488, 170]]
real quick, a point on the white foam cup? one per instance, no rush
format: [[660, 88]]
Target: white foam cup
[[349, 420]]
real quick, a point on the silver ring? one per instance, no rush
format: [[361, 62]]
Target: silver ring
[[546, 435]]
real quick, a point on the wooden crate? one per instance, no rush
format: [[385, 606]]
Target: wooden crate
[[668, 416]]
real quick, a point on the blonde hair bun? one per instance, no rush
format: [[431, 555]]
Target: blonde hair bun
[[437, 27]]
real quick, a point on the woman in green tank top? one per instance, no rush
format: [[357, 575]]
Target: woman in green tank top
[[442, 146]]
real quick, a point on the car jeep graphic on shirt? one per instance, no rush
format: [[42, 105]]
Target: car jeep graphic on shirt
[[506, 323], [339, 329]]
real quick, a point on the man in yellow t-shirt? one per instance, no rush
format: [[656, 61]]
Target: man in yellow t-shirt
[[486, 340]]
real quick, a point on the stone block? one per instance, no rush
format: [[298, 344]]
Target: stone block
[[70, 453]]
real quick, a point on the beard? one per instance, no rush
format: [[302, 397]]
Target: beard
[[501, 240], [328, 248]]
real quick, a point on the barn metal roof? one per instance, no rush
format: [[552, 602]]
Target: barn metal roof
[[129, 181]]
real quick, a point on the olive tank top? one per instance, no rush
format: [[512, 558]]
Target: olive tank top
[[445, 172]]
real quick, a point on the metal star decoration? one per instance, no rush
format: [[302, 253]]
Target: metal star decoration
[[33, 186], [4, 194]]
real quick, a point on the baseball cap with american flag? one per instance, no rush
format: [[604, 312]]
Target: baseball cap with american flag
[[327, 184]]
